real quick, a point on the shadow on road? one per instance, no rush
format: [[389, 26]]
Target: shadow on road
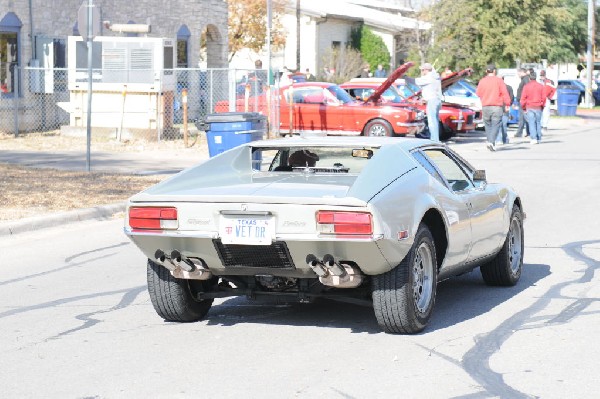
[[458, 299]]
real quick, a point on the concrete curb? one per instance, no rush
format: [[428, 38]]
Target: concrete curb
[[13, 227]]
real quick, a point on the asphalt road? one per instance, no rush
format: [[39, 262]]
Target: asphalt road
[[76, 320]]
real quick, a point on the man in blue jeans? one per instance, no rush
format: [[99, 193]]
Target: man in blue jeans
[[431, 93], [495, 102], [533, 100]]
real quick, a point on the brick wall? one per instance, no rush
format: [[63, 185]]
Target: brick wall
[[57, 19]]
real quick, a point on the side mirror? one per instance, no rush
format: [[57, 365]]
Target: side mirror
[[479, 176], [469, 94]]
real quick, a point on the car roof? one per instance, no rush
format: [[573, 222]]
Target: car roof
[[406, 143], [309, 84]]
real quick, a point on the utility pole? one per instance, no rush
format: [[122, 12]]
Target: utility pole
[[298, 35], [589, 98], [269, 22]]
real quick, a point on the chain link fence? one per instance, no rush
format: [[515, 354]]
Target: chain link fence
[[126, 104]]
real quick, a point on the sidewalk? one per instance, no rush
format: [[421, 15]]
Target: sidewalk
[[166, 161]]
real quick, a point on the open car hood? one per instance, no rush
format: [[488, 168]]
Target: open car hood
[[449, 80], [455, 77], [399, 72]]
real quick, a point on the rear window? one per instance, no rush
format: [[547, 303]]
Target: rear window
[[312, 159]]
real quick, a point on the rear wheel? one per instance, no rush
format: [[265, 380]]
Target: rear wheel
[[378, 128], [505, 269], [403, 297], [174, 299]]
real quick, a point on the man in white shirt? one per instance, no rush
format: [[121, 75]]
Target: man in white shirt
[[431, 93]]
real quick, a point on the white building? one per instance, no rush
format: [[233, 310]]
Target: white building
[[327, 24]]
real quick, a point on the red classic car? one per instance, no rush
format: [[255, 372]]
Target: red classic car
[[453, 118], [322, 107], [472, 102]]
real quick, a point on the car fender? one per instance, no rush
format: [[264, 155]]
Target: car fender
[[400, 212]]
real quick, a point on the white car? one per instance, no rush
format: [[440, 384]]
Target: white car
[[372, 220]]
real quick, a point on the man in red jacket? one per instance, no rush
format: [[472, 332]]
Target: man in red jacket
[[494, 102], [533, 100]]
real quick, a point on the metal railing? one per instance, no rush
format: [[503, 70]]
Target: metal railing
[[145, 104]]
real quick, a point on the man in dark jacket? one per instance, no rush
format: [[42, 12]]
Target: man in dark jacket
[[524, 75], [505, 116]]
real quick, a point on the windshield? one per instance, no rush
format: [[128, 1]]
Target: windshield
[[407, 89], [460, 89], [314, 159], [468, 85], [340, 94]]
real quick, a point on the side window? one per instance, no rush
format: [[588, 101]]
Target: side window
[[450, 170], [428, 166]]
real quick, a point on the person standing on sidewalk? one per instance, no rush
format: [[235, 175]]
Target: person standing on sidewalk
[[549, 90], [494, 101], [533, 101], [524, 75], [431, 92]]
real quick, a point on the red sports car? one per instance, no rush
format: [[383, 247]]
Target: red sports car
[[413, 92], [453, 118], [322, 107]]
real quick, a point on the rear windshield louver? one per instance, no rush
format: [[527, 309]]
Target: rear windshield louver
[[274, 256]]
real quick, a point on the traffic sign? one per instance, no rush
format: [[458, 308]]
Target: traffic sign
[[82, 20]]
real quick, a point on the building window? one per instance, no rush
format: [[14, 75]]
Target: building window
[[10, 28], [183, 38]]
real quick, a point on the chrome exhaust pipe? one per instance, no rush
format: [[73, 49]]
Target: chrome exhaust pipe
[[190, 268], [334, 268], [316, 265], [182, 262], [161, 258], [340, 275]]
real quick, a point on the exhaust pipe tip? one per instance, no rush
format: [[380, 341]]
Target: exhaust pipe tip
[[316, 265], [334, 268], [160, 255], [181, 261]]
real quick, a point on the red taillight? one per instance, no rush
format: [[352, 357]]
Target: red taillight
[[334, 222], [154, 218]]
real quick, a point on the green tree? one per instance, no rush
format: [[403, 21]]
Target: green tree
[[372, 47], [476, 32]]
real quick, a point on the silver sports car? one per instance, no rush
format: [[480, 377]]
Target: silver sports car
[[362, 219]]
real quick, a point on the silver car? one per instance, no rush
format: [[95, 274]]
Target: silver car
[[372, 220]]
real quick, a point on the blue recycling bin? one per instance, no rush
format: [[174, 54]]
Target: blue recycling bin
[[231, 129], [567, 99]]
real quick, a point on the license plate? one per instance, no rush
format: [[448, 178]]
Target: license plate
[[247, 231]]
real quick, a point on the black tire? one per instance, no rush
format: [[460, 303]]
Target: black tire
[[378, 128], [403, 298], [505, 269], [173, 298]]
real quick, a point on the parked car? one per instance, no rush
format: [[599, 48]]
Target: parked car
[[323, 107], [459, 91], [452, 118], [453, 95], [371, 220]]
